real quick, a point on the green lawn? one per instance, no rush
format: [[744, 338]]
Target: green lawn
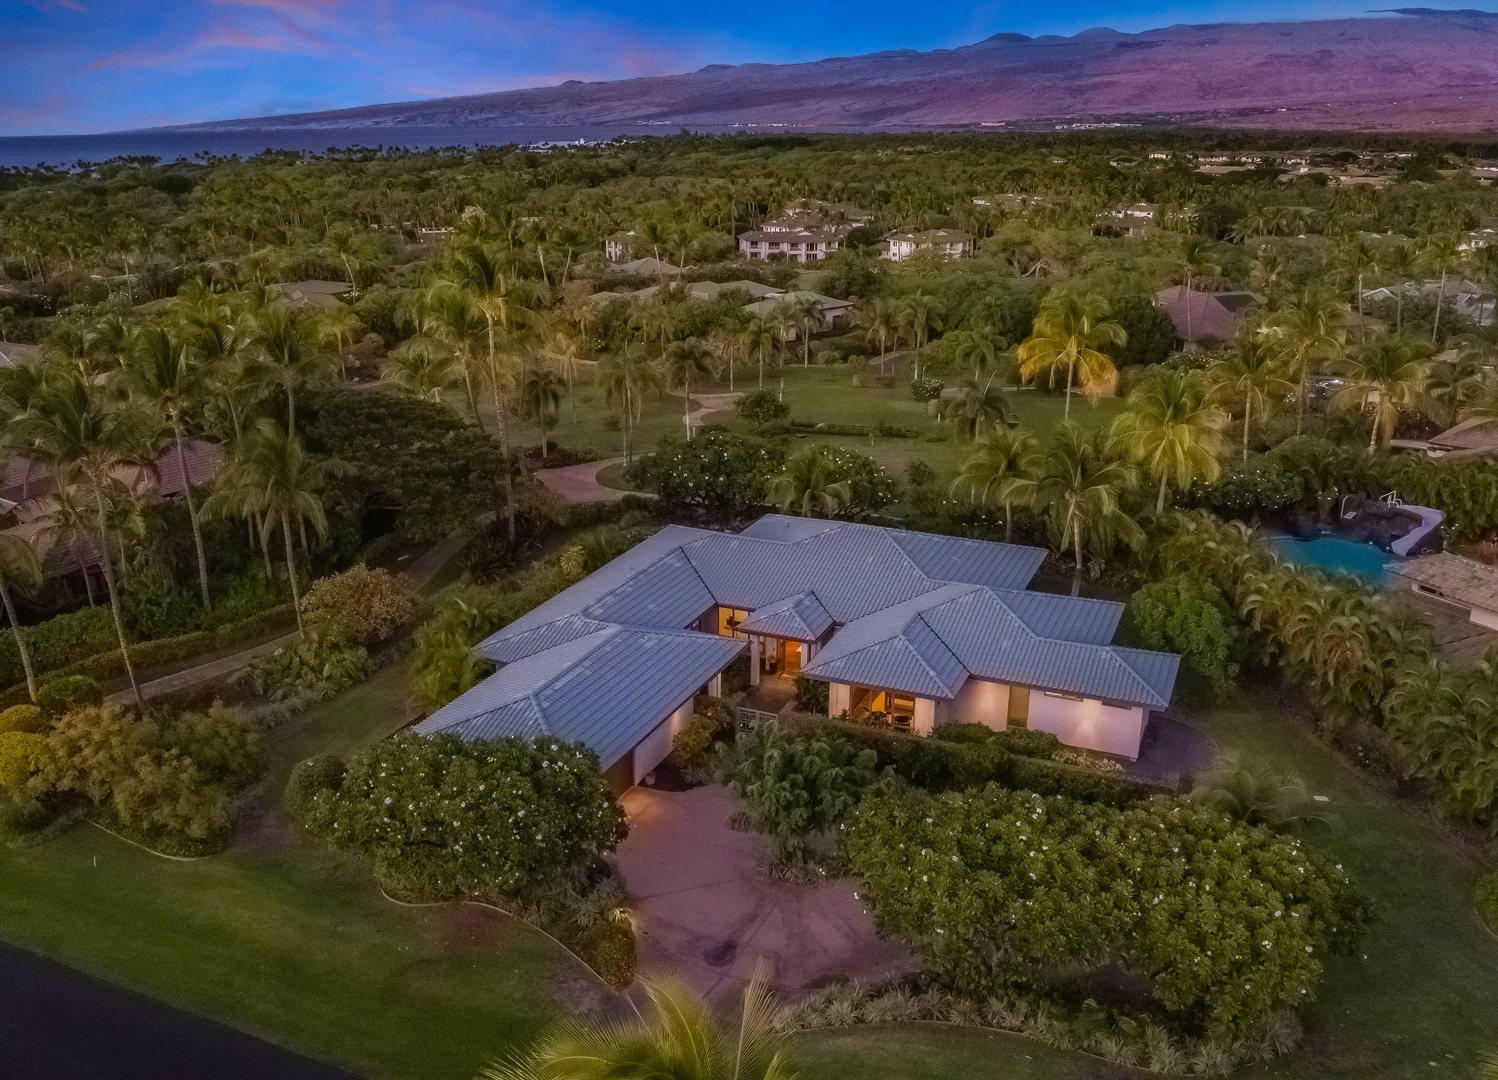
[[285, 938], [825, 395]]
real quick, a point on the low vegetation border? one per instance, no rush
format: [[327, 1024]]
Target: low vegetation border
[[146, 654]]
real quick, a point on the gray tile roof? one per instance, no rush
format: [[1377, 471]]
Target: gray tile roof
[[801, 617], [608, 689], [607, 659]]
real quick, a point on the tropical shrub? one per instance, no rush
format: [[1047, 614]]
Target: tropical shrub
[[310, 671], [23, 754], [28, 718], [609, 948], [167, 779], [1228, 923], [693, 745], [873, 487], [443, 663], [716, 470], [1447, 718], [363, 605], [69, 692], [796, 787], [812, 695], [1186, 615], [156, 606], [502, 820], [761, 407], [1262, 486], [59, 641], [926, 389]]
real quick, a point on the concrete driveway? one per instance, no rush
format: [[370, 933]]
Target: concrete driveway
[[707, 915]]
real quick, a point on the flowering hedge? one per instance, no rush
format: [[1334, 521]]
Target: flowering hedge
[[1229, 923], [717, 470], [503, 820]]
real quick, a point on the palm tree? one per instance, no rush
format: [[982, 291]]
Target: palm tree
[[923, 314], [1309, 333], [760, 336], [982, 346], [1253, 794], [1003, 470], [978, 409], [19, 568], [882, 319], [1195, 261], [679, 363], [1402, 261], [1069, 333], [425, 369], [502, 300], [542, 393], [682, 1040], [1359, 258], [808, 485], [1440, 251], [1082, 487], [626, 377], [808, 311], [165, 374], [729, 344], [1172, 430], [287, 351], [1384, 377], [85, 436], [1252, 373], [564, 353], [272, 478]]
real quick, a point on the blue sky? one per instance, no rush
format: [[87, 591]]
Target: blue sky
[[74, 66]]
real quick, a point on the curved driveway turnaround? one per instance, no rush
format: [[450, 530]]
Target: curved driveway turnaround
[[578, 484], [59, 1024], [707, 914]]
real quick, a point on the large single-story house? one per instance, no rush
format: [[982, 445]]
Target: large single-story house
[[910, 628], [835, 312], [320, 295]]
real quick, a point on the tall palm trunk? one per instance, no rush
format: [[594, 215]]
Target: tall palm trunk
[[290, 406], [1066, 409], [1440, 300], [504, 438], [1160, 498], [114, 599], [192, 516], [1076, 577], [1007, 522], [15, 628], [1248, 408], [296, 596], [1300, 395]]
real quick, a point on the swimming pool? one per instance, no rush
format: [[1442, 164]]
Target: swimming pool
[[1336, 555]]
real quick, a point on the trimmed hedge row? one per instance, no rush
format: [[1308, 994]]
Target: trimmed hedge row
[[107, 665], [61, 640], [941, 765]]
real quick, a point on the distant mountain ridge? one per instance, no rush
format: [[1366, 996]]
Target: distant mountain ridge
[[1409, 70]]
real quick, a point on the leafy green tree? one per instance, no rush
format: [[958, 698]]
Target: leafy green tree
[[1172, 430], [681, 362], [808, 486], [164, 374], [1069, 334], [718, 470], [1384, 377], [1082, 487], [796, 787], [274, 479], [1252, 373], [682, 1039], [84, 436], [1003, 471], [19, 568], [1187, 615]]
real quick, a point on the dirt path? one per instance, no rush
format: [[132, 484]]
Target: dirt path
[[707, 914], [420, 573], [578, 485]]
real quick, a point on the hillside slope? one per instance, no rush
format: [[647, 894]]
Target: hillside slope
[[1412, 70]]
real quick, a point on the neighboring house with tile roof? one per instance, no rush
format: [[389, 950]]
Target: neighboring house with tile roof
[[1201, 317], [944, 243], [926, 630], [320, 295]]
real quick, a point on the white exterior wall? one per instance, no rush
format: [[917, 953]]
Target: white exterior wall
[[1089, 724], [924, 719], [837, 698], [653, 748], [1483, 617], [981, 701]]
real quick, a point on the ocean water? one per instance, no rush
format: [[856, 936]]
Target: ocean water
[[171, 144]]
